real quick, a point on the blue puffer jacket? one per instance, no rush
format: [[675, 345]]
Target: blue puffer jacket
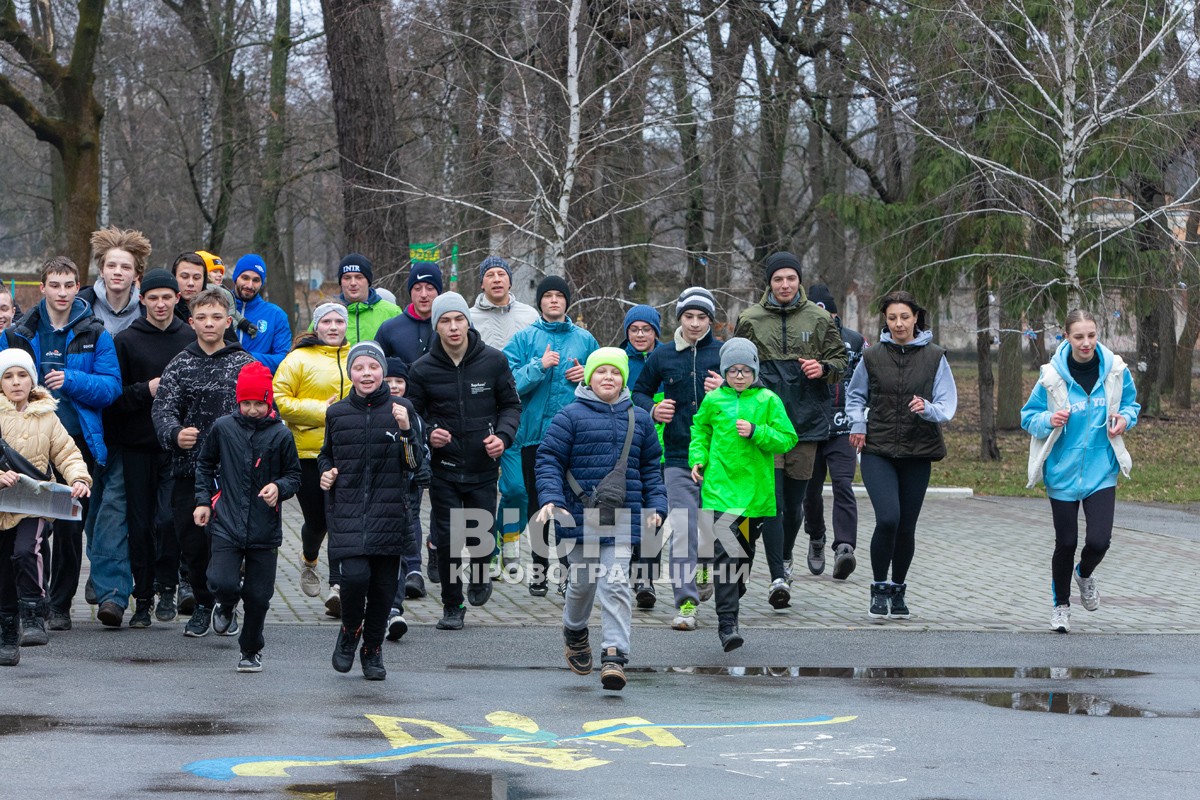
[[637, 361], [1083, 460], [274, 339], [586, 437], [92, 373], [680, 370], [406, 337], [544, 392]]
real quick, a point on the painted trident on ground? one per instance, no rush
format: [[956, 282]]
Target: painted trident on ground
[[519, 741]]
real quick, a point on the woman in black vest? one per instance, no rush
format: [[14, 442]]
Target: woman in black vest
[[906, 385]]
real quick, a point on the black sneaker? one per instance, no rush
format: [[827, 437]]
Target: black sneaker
[[225, 622], [578, 651], [843, 562], [110, 614], [10, 640], [539, 588], [479, 593], [414, 586], [645, 596], [727, 631], [199, 623], [816, 555], [59, 620], [141, 614], [397, 626], [612, 669], [452, 619], [89, 593], [166, 610], [251, 662], [431, 565], [33, 624], [186, 602], [899, 608], [371, 661], [880, 594], [343, 651]]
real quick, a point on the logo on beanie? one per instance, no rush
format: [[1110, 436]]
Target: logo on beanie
[[350, 268]]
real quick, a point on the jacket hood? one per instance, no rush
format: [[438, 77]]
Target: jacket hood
[[310, 340], [372, 298], [101, 293], [483, 304], [1059, 360], [554, 327], [585, 393], [41, 403], [258, 423], [771, 304], [633, 353], [410, 311], [80, 310], [923, 338], [194, 349], [144, 325], [372, 400]]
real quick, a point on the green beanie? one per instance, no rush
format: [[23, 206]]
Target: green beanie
[[612, 356]]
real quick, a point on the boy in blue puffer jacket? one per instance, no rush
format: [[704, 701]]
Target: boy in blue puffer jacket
[[577, 465]]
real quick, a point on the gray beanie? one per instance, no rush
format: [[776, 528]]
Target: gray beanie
[[450, 301], [739, 351], [369, 349]]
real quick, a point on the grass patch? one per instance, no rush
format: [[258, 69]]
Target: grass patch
[[1166, 453]]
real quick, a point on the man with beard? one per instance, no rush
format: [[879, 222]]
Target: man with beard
[[274, 338]]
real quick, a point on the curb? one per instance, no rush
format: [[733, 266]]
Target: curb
[[936, 492]]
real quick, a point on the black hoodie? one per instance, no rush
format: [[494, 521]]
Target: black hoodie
[[143, 351], [473, 400], [195, 390]]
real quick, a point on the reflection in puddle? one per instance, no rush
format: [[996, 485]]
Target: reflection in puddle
[[18, 724], [903, 673], [1058, 703], [421, 781]]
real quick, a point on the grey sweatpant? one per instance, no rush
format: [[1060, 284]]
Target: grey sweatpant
[[683, 502], [600, 570]]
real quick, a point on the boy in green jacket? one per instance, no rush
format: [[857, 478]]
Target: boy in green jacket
[[736, 434]]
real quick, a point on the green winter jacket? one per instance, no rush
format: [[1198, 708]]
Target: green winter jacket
[[739, 473], [365, 318]]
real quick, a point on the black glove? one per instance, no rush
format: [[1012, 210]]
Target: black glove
[[247, 327]]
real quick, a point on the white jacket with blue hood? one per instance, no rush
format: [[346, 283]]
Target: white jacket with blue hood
[[1080, 458]]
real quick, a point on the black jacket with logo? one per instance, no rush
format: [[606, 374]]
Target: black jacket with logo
[[242, 455], [473, 400]]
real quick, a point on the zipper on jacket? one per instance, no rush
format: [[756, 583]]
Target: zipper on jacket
[[366, 474]]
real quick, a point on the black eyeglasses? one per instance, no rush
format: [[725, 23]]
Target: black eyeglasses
[[739, 372]]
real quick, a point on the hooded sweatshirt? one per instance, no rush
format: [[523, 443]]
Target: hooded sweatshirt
[[1083, 459], [143, 351], [115, 320], [405, 336]]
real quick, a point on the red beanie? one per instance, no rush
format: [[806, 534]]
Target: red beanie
[[254, 383]]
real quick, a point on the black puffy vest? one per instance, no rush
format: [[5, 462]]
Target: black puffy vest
[[896, 373]]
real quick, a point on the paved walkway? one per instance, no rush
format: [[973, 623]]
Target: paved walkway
[[982, 564]]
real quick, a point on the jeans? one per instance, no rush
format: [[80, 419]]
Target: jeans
[[683, 500], [600, 569], [446, 496], [897, 489], [246, 574], [837, 458], [66, 558], [368, 585], [108, 544]]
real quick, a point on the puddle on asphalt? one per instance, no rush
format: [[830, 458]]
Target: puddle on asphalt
[[421, 781], [19, 724], [910, 673], [1058, 703]]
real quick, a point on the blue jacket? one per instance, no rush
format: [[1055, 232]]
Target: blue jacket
[[406, 337], [1082, 461], [274, 340], [679, 369], [545, 392], [93, 376], [637, 361], [586, 438]]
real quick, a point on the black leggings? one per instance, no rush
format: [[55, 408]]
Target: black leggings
[[312, 507], [789, 500], [730, 569], [897, 489], [1098, 511]]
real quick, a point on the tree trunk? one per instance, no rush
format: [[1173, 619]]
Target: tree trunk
[[266, 226], [375, 222], [694, 237], [989, 449], [1011, 390], [1185, 347]]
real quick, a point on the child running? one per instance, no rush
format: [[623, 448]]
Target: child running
[[736, 434], [31, 427], [253, 458], [602, 453]]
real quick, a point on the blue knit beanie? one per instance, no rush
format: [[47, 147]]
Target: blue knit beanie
[[492, 262], [646, 314], [251, 262], [425, 273]]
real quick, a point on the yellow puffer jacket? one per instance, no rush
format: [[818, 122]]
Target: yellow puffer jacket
[[37, 434], [305, 382]]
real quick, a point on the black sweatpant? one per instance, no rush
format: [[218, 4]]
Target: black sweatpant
[[312, 507], [368, 585], [254, 585], [445, 496], [789, 501], [897, 489], [730, 571], [21, 563], [410, 562], [540, 535], [193, 540], [1098, 510], [835, 458], [149, 517], [66, 556]]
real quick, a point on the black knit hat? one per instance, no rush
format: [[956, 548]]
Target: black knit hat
[[355, 263], [396, 368], [782, 260], [821, 295], [552, 283], [159, 279]]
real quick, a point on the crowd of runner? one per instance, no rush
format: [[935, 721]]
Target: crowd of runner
[[180, 413]]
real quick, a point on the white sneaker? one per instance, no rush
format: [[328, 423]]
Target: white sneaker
[[685, 617], [495, 572], [397, 627], [779, 595], [511, 551], [1089, 596], [310, 581], [1060, 621], [333, 603]]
